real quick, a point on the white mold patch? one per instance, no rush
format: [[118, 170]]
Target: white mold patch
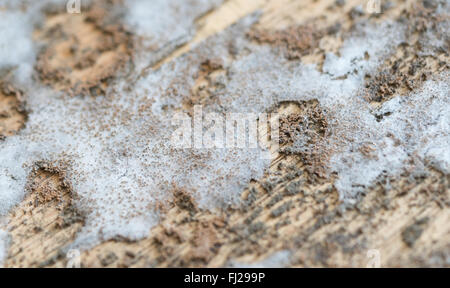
[[3, 246], [276, 260], [164, 25], [16, 32]]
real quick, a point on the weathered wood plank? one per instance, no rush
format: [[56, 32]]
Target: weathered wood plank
[[290, 209]]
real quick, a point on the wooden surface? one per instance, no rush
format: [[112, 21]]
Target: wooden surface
[[290, 209]]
